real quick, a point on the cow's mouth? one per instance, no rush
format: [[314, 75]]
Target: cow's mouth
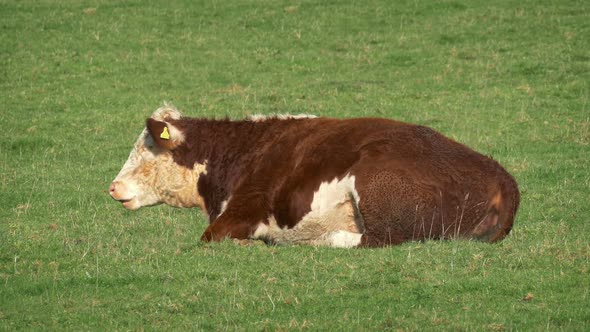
[[127, 203]]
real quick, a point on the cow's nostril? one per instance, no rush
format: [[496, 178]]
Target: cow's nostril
[[112, 188]]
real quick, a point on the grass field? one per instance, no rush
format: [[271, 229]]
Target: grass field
[[78, 78]]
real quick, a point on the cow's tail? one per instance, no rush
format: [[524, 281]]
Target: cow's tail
[[501, 211]]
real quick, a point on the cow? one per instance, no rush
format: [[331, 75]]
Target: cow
[[359, 182]]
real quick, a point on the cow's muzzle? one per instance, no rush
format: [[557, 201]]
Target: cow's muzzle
[[119, 192]]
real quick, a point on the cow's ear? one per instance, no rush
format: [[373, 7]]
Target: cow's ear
[[165, 135]]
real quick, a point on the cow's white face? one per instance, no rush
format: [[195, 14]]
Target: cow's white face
[[150, 176]]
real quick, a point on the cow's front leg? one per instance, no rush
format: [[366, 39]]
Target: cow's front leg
[[240, 219], [223, 228]]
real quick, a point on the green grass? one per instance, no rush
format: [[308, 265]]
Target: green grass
[[78, 78]]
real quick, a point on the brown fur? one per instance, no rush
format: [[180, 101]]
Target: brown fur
[[413, 182]]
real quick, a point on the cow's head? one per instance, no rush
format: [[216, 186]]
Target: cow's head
[[150, 176]]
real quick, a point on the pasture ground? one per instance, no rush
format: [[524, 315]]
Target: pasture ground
[[508, 78]]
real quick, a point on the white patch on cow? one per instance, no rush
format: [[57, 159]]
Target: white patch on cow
[[263, 230], [224, 205], [331, 194], [167, 112], [343, 239], [262, 117], [334, 219]]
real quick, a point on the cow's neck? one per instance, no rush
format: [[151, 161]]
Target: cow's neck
[[225, 147]]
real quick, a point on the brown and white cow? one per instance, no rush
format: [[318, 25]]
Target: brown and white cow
[[319, 181]]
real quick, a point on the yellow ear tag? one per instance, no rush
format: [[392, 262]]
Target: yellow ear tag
[[165, 134]]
